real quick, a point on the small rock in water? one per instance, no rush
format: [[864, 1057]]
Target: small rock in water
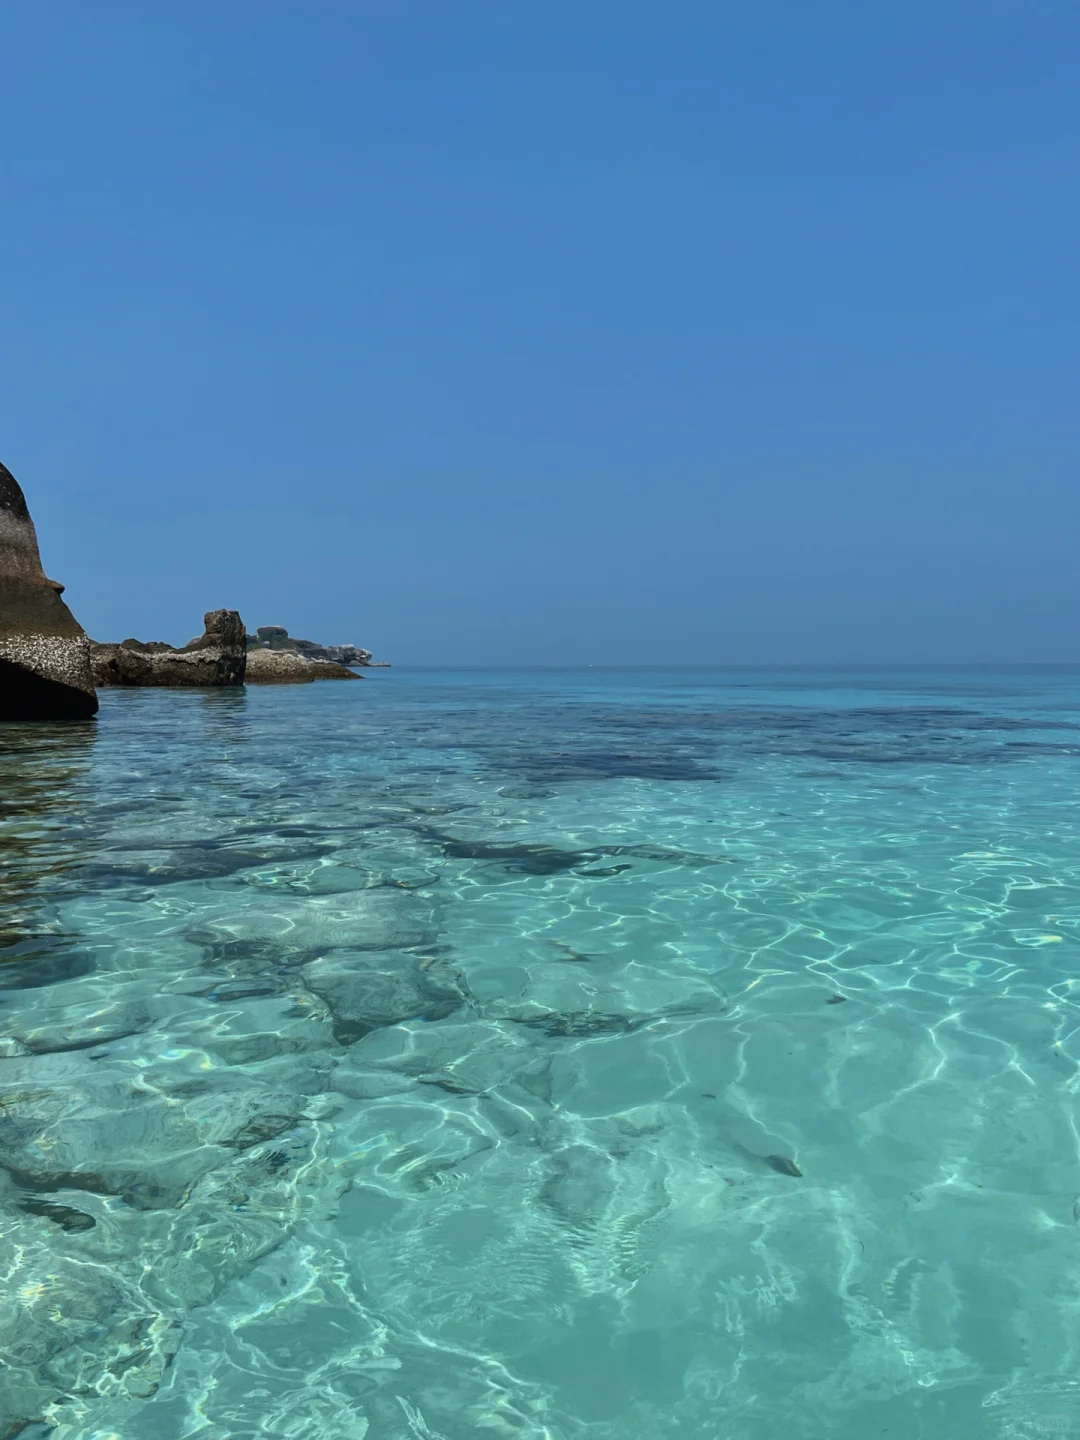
[[782, 1164]]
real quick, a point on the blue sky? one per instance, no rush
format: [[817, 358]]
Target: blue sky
[[528, 332]]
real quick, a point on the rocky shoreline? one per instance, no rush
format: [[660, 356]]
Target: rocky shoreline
[[50, 669]]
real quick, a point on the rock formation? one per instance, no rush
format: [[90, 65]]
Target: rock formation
[[287, 667], [277, 638], [217, 657], [223, 656], [44, 652]]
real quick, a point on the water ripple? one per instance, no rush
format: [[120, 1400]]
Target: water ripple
[[560, 1057]]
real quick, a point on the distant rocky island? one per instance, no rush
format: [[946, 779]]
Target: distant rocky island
[[50, 669]]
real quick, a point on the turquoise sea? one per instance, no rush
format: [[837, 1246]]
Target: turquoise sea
[[545, 1056]]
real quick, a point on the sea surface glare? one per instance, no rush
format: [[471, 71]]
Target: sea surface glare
[[545, 1056]]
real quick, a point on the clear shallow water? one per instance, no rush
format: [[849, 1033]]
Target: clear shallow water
[[431, 1057]]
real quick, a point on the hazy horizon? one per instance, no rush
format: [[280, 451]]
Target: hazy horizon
[[551, 334]]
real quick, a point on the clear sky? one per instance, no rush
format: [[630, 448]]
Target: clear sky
[[540, 331]]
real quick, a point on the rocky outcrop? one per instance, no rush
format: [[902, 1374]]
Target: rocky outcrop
[[277, 638], [287, 667], [44, 652], [217, 657]]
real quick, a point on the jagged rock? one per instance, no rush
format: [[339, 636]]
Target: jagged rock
[[217, 657], [287, 667], [44, 652]]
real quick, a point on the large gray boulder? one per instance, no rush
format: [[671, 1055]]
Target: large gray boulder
[[44, 652], [217, 657]]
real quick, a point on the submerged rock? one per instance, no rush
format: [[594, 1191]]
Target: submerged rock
[[287, 667], [44, 653], [63, 1215], [217, 657], [365, 991], [783, 1165]]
